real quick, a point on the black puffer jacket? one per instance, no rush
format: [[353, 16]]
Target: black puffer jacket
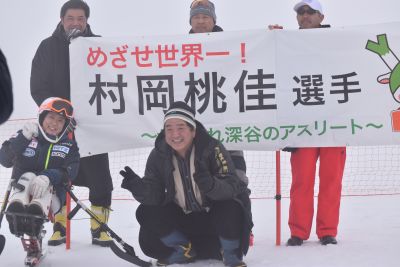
[[159, 185], [30, 156], [50, 67]]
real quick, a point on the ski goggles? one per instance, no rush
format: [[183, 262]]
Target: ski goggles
[[60, 106]]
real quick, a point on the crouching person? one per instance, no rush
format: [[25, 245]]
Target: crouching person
[[44, 156], [193, 205]]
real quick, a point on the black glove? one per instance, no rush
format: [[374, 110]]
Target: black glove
[[289, 149], [131, 181], [203, 177]]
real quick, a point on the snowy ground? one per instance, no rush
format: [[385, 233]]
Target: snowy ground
[[368, 236]]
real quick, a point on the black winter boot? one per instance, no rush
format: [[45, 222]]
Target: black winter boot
[[325, 240], [294, 241]]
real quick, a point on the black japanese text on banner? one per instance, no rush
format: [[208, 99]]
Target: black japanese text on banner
[[254, 90]]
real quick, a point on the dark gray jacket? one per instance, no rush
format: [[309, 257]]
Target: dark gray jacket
[[159, 184]]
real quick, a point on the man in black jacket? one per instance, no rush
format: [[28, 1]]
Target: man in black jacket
[[50, 76], [193, 205]]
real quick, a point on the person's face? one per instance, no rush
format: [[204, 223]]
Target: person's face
[[74, 19], [53, 123], [309, 18], [202, 23], [179, 135]]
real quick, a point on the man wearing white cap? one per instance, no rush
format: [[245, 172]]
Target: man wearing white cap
[[193, 205], [303, 162], [309, 14]]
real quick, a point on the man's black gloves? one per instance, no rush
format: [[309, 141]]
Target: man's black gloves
[[289, 149], [202, 177], [131, 181]]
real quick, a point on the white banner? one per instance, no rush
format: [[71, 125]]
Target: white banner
[[253, 90]]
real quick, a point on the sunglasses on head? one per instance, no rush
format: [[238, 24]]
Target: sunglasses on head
[[309, 11]]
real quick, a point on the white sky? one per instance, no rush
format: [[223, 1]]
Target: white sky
[[24, 23]]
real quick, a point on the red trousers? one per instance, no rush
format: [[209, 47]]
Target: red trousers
[[303, 161]]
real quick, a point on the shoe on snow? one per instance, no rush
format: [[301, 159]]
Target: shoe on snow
[[326, 240], [181, 254], [59, 228], [232, 259], [101, 238], [58, 236], [294, 241]]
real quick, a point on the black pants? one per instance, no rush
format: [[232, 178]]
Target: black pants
[[203, 229], [94, 173]]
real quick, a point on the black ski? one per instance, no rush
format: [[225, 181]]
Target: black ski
[[128, 256]]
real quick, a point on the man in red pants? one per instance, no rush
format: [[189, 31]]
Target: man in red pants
[[303, 161]]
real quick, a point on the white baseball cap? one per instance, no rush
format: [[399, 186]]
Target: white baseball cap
[[314, 4]]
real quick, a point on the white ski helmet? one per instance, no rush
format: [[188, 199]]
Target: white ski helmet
[[62, 107]]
